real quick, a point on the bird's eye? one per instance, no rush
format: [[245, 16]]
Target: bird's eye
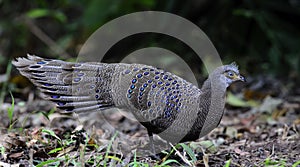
[[230, 74]]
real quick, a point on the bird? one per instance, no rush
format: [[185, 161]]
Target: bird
[[164, 103]]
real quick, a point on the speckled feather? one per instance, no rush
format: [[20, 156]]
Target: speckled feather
[[164, 103]]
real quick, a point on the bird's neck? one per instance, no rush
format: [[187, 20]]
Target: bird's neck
[[213, 95], [214, 84]]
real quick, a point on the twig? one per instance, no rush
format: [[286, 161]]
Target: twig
[[45, 38], [181, 156], [205, 157]]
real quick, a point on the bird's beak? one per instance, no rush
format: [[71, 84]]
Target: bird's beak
[[240, 78]]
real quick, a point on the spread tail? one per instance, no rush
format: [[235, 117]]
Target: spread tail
[[74, 87]]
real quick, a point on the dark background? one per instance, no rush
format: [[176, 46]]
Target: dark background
[[262, 36]]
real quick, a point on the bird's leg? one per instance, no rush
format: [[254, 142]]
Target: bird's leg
[[151, 144]]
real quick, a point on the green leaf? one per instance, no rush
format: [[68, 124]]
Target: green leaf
[[51, 133], [165, 163], [189, 151], [2, 150], [108, 148], [49, 162], [238, 102], [55, 150], [114, 158], [227, 163], [296, 164], [59, 16], [38, 13], [10, 110]]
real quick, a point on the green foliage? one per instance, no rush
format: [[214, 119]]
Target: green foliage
[[135, 163], [235, 101], [280, 163], [99, 12], [108, 149], [55, 150], [10, 112], [189, 151], [51, 133], [2, 150], [39, 13], [281, 45], [269, 162], [169, 161], [260, 33], [55, 161], [47, 114], [227, 164], [296, 164], [190, 159]]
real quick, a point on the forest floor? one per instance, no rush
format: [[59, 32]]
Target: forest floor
[[259, 128]]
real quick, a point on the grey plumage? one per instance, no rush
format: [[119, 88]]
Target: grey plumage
[[164, 103]]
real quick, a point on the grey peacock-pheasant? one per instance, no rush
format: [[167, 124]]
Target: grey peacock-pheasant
[[164, 103]]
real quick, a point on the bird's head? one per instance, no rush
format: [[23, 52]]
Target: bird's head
[[228, 74], [231, 74]]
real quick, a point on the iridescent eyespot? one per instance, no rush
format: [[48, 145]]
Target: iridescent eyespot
[[55, 96], [41, 62], [139, 75], [77, 79], [133, 80], [127, 71], [80, 74]]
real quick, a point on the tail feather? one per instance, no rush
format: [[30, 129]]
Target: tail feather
[[86, 109], [55, 97], [74, 87]]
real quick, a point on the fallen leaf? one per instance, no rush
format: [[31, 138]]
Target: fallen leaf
[[206, 144], [235, 101], [16, 155], [240, 152], [269, 104], [231, 132]]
